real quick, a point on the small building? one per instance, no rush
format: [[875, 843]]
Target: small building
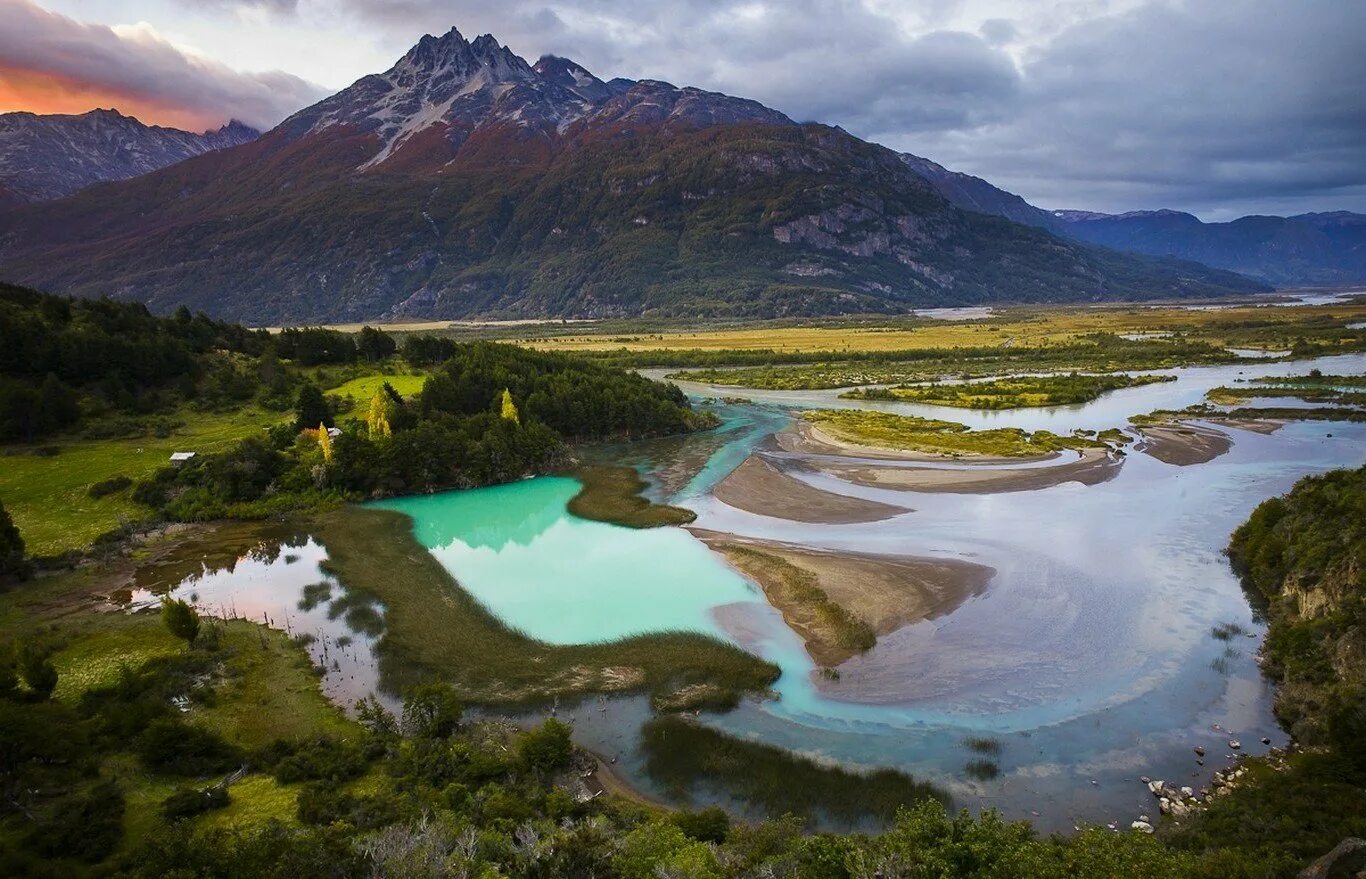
[[178, 458], [333, 432]]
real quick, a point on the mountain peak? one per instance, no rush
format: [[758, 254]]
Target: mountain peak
[[573, 76]]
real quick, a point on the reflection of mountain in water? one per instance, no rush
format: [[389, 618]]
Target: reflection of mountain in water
[[492, 517]]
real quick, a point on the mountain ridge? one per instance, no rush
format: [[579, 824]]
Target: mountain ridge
[[50, 156], [464, 181]]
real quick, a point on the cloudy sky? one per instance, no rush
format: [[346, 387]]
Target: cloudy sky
[[1219, 107]]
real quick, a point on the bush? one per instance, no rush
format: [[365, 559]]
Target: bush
[[180, 619], [85, 826], [317, 760], [173, 746], [109, 486], [36, 668], [547, 747], [190, 801]]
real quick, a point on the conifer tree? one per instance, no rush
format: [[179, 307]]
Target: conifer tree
[[325, 442], [378, 417], [510, 408]]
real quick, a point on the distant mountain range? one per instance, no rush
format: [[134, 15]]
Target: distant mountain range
[[46, 157], [1309, 249], [466, 181]]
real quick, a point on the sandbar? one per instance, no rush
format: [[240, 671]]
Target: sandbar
[[886, 593], [756, 486]]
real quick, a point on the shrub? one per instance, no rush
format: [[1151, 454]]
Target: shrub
[[173, 746], [109, 486], [180, 619], [86, 826], [188, 802]]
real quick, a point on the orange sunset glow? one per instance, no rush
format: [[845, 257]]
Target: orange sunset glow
[[38, 92]]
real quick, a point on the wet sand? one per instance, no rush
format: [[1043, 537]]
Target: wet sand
[[1183, 444], [885, 592], [756, 486], [1092, 467]]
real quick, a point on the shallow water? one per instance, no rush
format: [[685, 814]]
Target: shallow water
[[1112, 409]]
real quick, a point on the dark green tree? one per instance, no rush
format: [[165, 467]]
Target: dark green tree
[[37, 670], [180, 619], [12, 562], [373, 344], [311, 408], [547, 747], [431, 711]]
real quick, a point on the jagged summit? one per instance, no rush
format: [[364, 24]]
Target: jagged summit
[[449, 98]]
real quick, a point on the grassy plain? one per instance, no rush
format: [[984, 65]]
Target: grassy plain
[[1011, 393], [363, 388], [47, 495], [434, 629], [263, 688], [910, 433], [1253, 326]]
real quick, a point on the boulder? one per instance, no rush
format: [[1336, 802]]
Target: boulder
[[1141, 827], [1347, 861]]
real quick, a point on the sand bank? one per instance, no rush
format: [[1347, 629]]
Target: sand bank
[[1092, 467], [884, 593], [756, 486], [1183, 444]]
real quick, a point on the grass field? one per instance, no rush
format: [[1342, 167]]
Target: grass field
[[1020, 327], [909, 433], [264, 688], [47, 496], [434, 629], [362, 389], [1011, 393]]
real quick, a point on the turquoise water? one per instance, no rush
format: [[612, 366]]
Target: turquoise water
[[566, 580]]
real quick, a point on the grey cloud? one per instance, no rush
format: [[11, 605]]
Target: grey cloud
[[1205, 106]]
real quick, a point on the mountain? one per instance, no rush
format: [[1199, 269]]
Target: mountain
[[46, 157], [1323, 248], [466, 181], [976, 194]]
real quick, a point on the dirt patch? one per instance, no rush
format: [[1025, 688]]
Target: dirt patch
[[1092, 467], [885, 593], [1183, 444], [1256, 425], [756, 486]]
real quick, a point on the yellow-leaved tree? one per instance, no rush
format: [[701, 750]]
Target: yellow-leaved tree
[[378, 417], [510, 408], [325, 442]]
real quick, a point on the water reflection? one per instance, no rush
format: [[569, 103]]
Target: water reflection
[[280, 582]]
